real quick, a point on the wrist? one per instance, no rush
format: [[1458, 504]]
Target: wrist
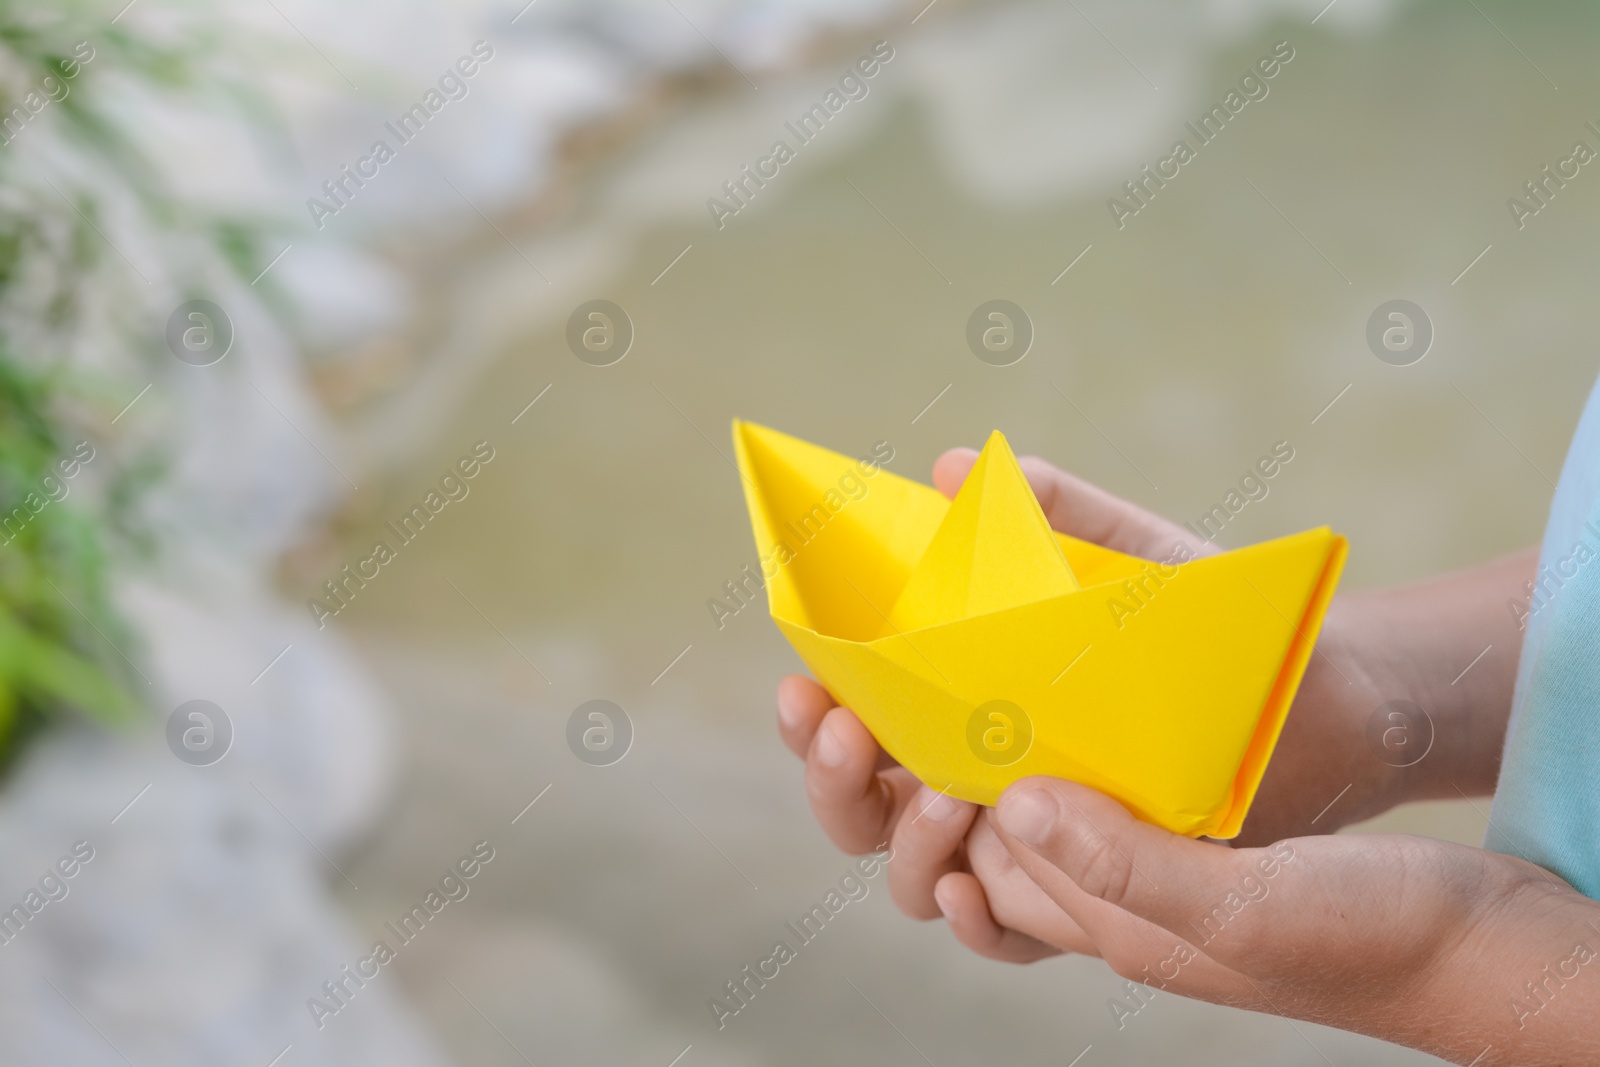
[[1441, 657], [1403, 699], [1522, 980], [1348, 681]]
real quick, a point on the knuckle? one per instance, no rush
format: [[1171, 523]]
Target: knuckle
[[1103, 870]]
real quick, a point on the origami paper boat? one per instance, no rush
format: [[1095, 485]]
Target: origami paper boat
[[980, 647]]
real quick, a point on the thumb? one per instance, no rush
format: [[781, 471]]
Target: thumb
[[1174, 882]]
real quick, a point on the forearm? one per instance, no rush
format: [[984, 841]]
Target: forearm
[[1451, 646]]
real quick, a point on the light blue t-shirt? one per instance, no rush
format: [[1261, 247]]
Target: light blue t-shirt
[[1547, 805]]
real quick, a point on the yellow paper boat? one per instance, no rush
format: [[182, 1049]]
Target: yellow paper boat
[[980, 647]]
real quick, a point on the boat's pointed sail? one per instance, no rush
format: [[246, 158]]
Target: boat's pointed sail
[[994, 550]]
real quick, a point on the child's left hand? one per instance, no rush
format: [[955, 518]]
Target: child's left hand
[[1417, 941]]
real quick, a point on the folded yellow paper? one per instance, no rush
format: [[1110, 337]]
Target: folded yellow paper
[[980, 647]]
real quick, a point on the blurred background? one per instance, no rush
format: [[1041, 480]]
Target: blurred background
[[267, 371]]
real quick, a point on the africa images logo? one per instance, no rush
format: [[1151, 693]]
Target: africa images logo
[[1252, 86], [852, 85]]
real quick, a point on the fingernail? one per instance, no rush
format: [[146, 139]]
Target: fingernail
[[941, 897], [830, 750], [1028, 815], [788, 714], [936, 806]]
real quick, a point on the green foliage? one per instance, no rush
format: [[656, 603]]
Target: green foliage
[[71, 172], [56, 623]]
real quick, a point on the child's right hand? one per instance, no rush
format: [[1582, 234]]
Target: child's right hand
[[1324, 771]]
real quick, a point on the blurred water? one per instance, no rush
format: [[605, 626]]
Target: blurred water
[[1224, 317]]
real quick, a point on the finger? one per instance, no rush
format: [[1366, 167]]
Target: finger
[[1083, 510], [1188, 888], [1015, 900], [856, 805], [1086, 511], [1135, 948], [928, 843], [801, 705], [950, 470], [961, 899]]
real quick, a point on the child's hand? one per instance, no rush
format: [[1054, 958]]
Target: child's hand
[[1416, 941], [1373, 648], [1410, 643], [864, 799]]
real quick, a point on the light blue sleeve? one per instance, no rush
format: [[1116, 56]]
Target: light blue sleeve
[[1547, 805]]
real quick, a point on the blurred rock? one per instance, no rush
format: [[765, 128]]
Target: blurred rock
[[203, 922]]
